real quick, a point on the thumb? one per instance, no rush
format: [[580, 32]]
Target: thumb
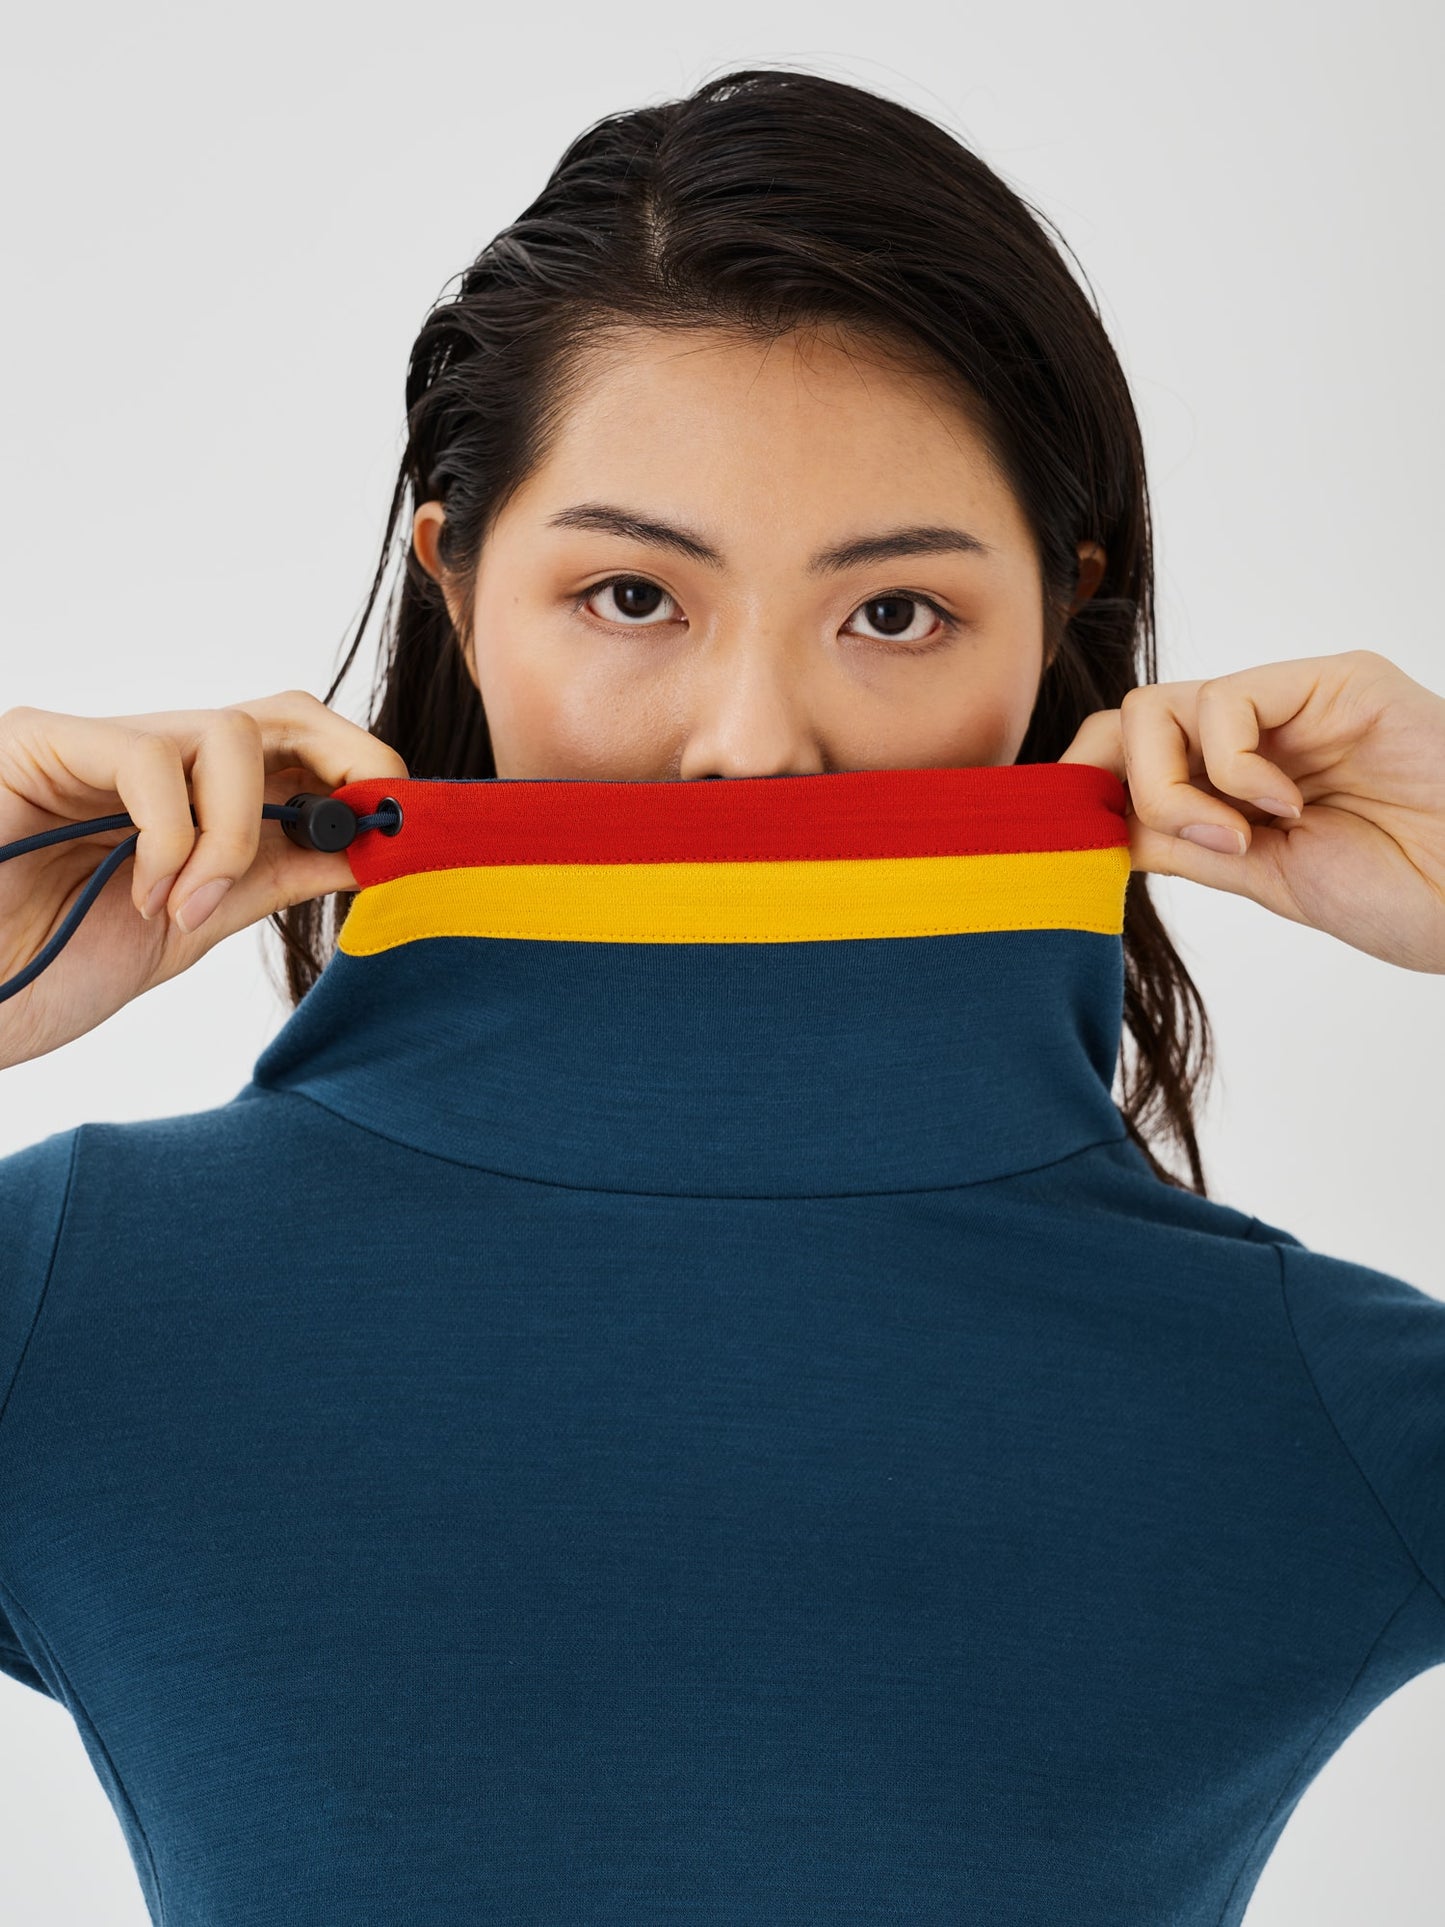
[[1100, 739]]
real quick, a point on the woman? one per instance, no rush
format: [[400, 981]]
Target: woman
[[675, 1392]]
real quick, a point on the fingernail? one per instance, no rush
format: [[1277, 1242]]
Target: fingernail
[[1215, 837], [1274, 807], [158, 895], [200, 903]]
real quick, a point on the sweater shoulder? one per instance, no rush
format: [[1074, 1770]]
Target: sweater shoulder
[[35, 1188], [1373, 1344]]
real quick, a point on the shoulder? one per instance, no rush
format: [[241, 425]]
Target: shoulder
[[35, 1187], [86, 1209], [1373, 1345]]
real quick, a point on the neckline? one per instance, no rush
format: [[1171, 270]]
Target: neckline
[[849, 982], [856, 853]]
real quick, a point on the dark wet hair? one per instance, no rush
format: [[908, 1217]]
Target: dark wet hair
[[766, 200]]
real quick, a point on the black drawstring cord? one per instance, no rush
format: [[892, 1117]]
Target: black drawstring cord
[[315, 822]]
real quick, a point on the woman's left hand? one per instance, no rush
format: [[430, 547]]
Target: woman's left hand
[[1350, 742]]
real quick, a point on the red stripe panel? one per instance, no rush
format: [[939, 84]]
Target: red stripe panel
[[843, 813]]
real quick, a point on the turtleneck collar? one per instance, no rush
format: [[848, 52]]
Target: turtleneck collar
[[860, 981]]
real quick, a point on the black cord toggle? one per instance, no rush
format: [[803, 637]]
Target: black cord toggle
[[320, 823], [313, 822]]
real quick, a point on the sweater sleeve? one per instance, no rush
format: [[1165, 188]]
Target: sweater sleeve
[[1375, 1347], [34, 1188]]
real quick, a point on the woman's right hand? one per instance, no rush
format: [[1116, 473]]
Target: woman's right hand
[[57, 769]]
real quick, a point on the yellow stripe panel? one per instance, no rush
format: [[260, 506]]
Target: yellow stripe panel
[[768, 902]]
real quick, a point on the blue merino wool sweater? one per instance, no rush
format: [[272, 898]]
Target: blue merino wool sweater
[[671, 1395]]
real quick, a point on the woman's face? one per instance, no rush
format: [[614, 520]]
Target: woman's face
[[741, 559]]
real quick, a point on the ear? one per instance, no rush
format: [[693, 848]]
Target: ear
[[426, 527], [1092, 560]]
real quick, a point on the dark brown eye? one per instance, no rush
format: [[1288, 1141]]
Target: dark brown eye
[[901, 618], [635, 599], [891, 614]]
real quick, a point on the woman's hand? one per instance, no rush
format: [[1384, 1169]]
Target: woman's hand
[[1326, 777], [165, 908]]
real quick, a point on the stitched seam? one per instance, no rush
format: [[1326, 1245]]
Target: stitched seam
[[1345, 1446], [630, 936], [739, 1197], [49, 1272], [441, 865], [74, 1702], [1307, 1751]]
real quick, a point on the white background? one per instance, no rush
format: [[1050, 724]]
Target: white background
[[220, 233]]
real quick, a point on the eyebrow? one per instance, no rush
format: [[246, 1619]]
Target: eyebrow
[[922, 539]]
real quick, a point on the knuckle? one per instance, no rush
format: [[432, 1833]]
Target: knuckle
[[276, 706], [238, 722], [149, 742]]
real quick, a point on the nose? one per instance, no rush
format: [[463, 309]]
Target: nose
[[749, 713]]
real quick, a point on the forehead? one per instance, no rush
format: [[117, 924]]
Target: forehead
[[811, 425]]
